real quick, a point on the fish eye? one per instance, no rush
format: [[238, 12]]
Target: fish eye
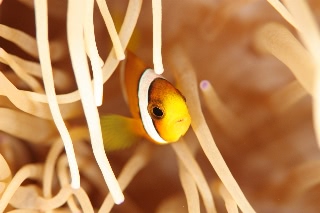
[[156, 112]]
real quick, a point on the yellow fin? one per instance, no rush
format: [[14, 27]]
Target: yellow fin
[[119, 132]]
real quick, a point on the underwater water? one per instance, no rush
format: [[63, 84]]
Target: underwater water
[[259, 108]]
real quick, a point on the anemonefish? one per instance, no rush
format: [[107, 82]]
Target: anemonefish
[[159, 110]]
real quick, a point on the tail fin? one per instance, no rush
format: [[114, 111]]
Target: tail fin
[[119, 132]]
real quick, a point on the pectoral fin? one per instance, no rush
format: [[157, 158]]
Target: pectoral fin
[[120, 132]]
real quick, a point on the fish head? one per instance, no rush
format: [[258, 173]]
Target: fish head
[[168, 110]]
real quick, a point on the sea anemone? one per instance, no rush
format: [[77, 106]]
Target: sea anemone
[[249, 71]]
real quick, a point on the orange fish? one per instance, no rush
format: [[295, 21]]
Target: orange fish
[[159, 110]]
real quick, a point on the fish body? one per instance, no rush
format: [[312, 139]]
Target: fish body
[[159, 110]]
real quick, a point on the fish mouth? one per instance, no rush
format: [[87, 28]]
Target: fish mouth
[[182, 125], [175, 128], [181, 120]]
